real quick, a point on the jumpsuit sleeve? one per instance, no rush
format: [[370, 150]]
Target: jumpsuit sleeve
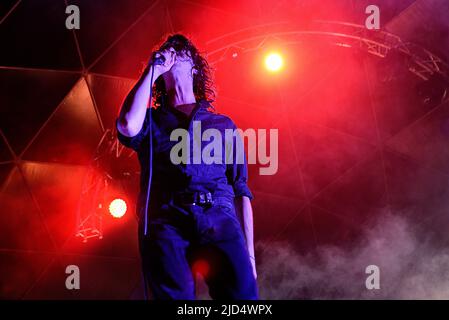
[[237, 171], [135, 141]]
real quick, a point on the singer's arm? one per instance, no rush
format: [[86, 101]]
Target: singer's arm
[[132, 113], [245, 213], [134, 108]]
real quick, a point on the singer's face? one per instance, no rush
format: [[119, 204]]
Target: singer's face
[[183, 65]]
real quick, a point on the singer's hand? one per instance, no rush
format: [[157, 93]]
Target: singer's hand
[[170, 59]]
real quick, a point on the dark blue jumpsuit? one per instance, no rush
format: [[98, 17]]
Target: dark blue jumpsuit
[[179, 235]]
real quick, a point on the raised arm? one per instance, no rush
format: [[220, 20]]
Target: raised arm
[[133, 111], [245, 212], [237, 174]]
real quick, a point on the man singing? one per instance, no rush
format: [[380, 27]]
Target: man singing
[[197, 211]]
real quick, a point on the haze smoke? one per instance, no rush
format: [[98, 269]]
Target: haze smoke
[[409, 267]]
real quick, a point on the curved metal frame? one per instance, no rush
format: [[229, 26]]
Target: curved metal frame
[[421, 62]]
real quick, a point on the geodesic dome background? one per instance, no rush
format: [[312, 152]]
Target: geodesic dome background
[[363, 143]]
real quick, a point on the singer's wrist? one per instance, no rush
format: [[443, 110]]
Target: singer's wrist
[[150, 69]]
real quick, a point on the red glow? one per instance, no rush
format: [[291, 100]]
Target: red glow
[[202, 267]]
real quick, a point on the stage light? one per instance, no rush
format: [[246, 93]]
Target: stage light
[[117, 208], [274, 62]]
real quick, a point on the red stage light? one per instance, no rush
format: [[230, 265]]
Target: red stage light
[[117, 208]]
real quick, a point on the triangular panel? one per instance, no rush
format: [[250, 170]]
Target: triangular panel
[[109, 94], [35, 35], [57, 189], [20, 270], [421, 139], [359, 195], [132, 52], [21, 226], [73, 132], [28, 99], [6, 6], [272, 213], [5, 153], [5, 170], [326, 154]]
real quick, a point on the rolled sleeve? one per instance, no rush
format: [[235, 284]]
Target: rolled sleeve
[[241, 189], [135, 141]]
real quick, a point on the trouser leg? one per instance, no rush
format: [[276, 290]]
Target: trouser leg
[[224, 246], [166, 268]]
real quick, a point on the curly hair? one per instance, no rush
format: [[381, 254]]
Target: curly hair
[[203, 86]]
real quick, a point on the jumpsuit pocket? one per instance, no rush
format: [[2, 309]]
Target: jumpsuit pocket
[[224, 205], [227, 208], [223, 222]]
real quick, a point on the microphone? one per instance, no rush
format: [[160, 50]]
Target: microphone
[[158, 58]]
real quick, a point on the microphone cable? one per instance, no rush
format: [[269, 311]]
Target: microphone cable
[[150, 176]]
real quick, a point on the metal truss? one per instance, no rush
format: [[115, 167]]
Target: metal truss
[[93, 202], [420, 61]]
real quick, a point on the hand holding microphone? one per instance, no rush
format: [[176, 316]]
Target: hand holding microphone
[[157, 58], [162, 61]]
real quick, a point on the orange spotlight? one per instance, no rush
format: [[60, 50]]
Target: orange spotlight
[[117, 208], [274, 62]]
